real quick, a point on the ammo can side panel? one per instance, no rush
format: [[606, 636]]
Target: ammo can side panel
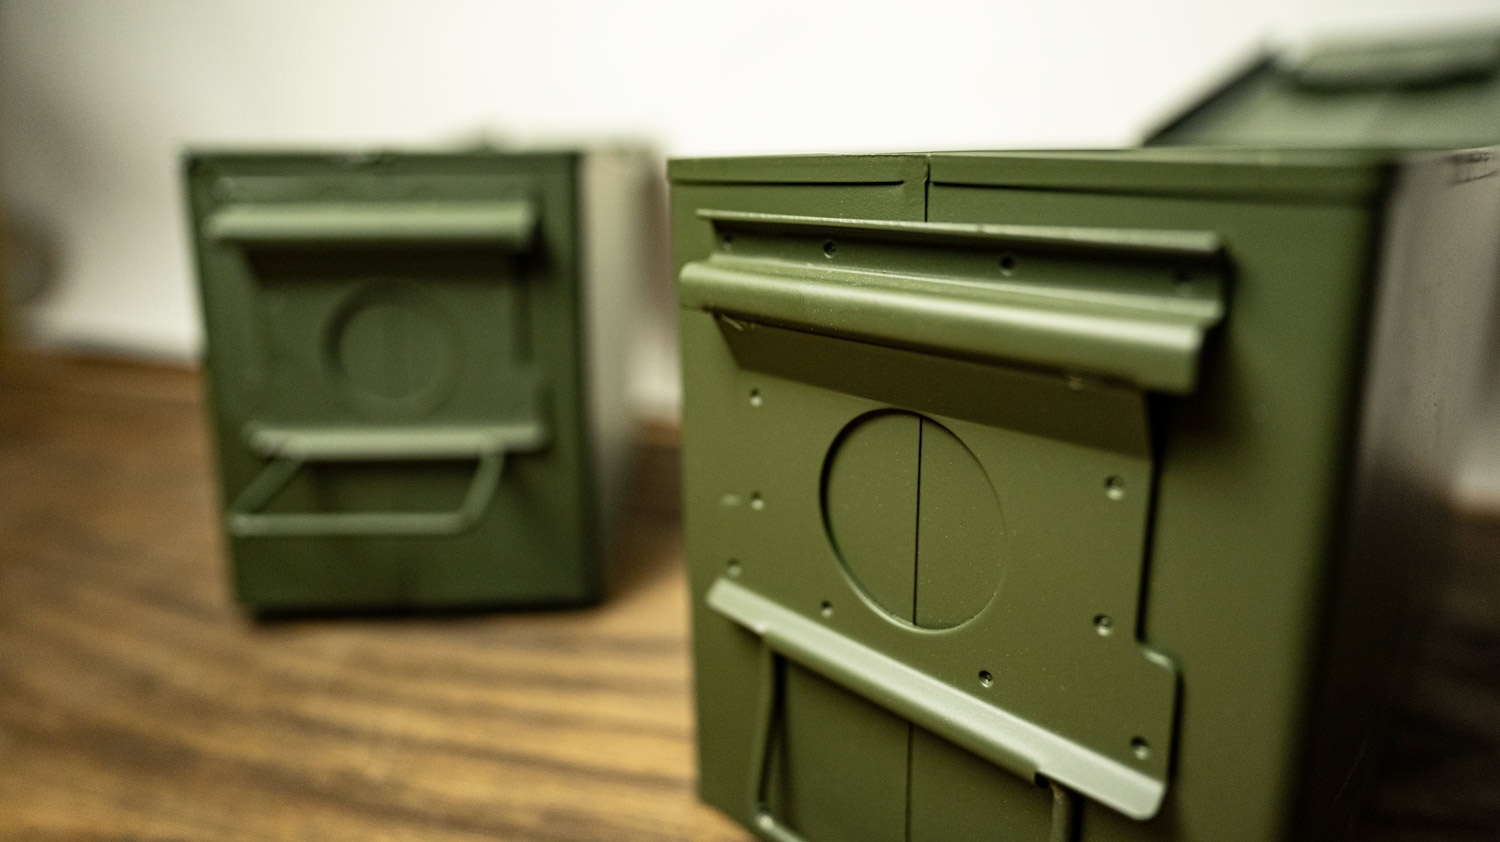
[[847, 749], [1433, 301], [223, 411], [1250, 468], [622, 243]]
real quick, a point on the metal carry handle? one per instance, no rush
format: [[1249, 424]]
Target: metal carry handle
[[289, 450], [1128, 304], [508, 224], [247, 521], [983, 729], [768, 722]]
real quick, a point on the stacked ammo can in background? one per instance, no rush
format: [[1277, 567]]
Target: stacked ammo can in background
[[1435, 91], [1065, 495], [417, 383]]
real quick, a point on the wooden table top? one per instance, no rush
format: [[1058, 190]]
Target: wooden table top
[[138, 704]]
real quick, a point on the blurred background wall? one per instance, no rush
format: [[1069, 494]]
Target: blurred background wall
[[98, 96]]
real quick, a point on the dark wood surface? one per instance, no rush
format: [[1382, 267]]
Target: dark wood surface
[[1439, 777], [137, 704]]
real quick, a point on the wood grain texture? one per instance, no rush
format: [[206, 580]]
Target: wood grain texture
[[1439, 777], [137, 704]]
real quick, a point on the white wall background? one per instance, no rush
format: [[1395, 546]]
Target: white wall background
[[98, 96]]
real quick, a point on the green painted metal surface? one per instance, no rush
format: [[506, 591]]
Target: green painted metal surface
[[1052, 496], [397, 366], [1431, 91]]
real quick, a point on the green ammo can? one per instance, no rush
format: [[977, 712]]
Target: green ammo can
[[1065, 496], [416, 380], [1439, 91]]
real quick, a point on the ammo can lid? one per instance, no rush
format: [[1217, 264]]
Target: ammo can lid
[[1249, 173], [801, 169], [1296, 174], [1410, 92]]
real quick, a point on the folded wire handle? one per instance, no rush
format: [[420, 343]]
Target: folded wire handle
[[768, 724], [289, 450]]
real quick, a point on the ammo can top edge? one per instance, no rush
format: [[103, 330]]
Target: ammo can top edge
[[1335, 175], [801, 169], [1319, 174], [272, 157]]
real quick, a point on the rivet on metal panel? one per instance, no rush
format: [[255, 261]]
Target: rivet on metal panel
[[1140, 749]]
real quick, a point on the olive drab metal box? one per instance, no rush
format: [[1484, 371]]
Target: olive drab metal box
[[1429, 91], [1069, 496], [413, 366]]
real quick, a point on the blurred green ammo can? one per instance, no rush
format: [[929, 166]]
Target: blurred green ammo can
[[1066, 496], [1422, 91], [415, 374]]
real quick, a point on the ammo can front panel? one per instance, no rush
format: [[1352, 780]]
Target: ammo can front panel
[[1249, 475], [854, 749], [393, 354], [1042, 485]]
